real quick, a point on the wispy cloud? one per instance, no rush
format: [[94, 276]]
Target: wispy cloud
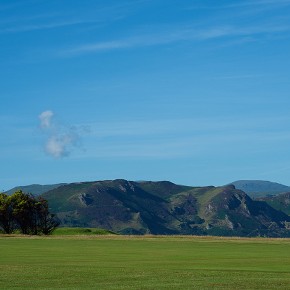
[[209, 143], [240, 4], [14, 5], [184, 126], [44, 26], [238, 77], [100, 15], [184, 137], [185, 33], [260, 2]]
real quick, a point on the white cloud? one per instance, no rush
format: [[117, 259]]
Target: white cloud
[[45, 119], [58, 146], [60, 140]]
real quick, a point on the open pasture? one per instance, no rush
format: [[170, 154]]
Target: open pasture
[[127, 262]]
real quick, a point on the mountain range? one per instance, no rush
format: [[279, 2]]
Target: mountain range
[[147, 207]]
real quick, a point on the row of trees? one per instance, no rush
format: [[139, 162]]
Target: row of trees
[[26, 213]]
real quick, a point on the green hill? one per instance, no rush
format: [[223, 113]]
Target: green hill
[[147, 207]]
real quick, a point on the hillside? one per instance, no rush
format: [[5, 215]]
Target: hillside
[[35, 189], [165, 208], [280, 202], [260, 188]]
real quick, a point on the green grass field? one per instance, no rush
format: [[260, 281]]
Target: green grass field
[[120, 262]]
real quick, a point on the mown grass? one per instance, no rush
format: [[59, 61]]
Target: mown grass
[[120, 262]]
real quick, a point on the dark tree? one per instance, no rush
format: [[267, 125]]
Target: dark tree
[[46, 222], [27, 213], [6, 214], [24, 212]]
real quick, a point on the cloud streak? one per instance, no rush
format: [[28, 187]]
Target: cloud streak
[[45, 26], [255, 3], [60, 140], [186, 33], [102, 15], [180, 138], [261, 2]]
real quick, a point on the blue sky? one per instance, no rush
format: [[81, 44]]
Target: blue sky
[[196, 92]]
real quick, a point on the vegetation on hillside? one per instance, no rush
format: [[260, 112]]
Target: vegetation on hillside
[[73, 231]]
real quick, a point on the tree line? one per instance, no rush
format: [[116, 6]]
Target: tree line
[[26, 213]]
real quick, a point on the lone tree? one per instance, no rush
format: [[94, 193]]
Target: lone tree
[[27, 213]]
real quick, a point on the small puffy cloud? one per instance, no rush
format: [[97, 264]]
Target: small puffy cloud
[[60, 140], [46, 119]]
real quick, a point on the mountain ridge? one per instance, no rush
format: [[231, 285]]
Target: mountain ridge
[[148, 207], [35, 189], [254, 188]]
